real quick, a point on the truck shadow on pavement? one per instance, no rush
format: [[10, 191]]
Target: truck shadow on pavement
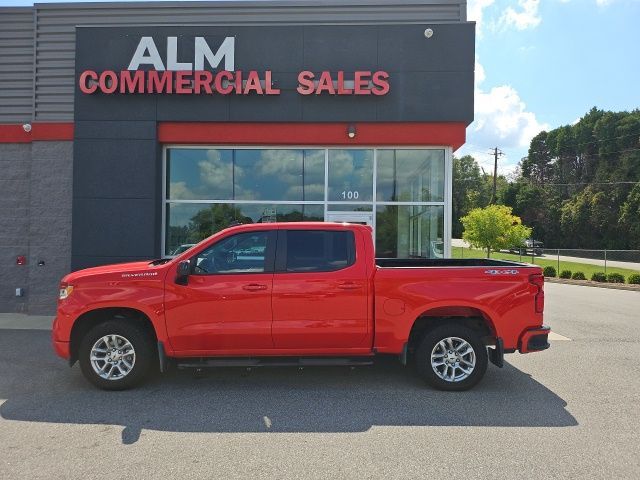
[[39, 387]]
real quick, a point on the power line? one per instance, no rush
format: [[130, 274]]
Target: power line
[[584, 183], [590, 154]]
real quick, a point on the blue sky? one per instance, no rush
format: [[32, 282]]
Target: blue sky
[[544, 63]]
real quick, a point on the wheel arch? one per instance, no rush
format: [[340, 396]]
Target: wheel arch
[[469, 316], [90, 319]]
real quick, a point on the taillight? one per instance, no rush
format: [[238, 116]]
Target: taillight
[[537, 279]]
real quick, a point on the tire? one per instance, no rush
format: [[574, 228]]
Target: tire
[[129, 367], [459, 376]]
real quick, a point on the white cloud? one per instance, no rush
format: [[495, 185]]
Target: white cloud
[[604, 3], [526, 17], [501, 116], [501, 120], [475, 13]]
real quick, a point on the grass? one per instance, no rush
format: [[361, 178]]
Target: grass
[[586, 268]]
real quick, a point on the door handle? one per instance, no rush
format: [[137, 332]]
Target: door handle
[[349, 286], [253, 287]]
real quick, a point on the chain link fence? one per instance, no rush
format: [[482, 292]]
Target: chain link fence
[[567, 262]]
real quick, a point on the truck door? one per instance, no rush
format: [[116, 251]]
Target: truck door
[[226, 305], [320, 291]]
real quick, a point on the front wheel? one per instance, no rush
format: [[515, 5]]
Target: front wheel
[[451, 357], [116, 355]]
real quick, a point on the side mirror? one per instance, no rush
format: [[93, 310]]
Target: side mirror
[[184, 270]]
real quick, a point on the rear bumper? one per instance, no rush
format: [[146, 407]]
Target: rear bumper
[[535, 340]]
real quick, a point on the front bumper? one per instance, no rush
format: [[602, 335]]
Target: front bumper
[[535, 340], [61, 348]]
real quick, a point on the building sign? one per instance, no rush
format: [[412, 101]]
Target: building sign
[[148, 72]]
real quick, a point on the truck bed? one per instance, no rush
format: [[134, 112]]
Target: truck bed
[[444, 262]]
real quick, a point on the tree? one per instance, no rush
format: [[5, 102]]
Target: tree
[[494, 227], [471, 189], [630, 217], [575, 187], [536, 166]]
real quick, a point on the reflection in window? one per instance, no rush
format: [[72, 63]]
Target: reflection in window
[[350, 175], [409, 231], [199, 174], [225, 183], [245, 174], [349, 207], [410, 176], [189, 223], [269, 174], [269, 213]]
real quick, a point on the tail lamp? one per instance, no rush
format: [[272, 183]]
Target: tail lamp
[[537, 279]]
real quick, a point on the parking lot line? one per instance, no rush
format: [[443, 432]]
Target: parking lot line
[[557, 337]]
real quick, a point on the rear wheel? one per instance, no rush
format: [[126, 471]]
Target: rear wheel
[[451, 357], [116, 355]]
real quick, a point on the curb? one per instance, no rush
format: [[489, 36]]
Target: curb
[[589, 283]]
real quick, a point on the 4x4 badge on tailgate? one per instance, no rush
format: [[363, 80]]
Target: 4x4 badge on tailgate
[[502, 272]]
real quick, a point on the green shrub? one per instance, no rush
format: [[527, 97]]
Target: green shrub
[[599, 277], [615, 278], [634, 278], [565, 274], [578, 276], [549, 271]]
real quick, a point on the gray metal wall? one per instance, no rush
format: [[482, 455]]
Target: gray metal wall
[[16, 64], [55, 24], [35, 221]]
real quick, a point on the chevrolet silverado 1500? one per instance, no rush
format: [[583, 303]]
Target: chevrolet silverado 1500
[[298, 294]]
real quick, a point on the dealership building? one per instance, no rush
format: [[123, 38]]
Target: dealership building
[[133, 130]]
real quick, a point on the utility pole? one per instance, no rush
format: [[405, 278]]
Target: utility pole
[[496, 153]]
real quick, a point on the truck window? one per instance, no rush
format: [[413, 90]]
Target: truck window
[[319, 250], [241, 253]]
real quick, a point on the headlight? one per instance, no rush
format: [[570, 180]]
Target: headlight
[[65, 291]]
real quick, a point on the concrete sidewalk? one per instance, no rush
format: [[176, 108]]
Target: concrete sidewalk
[[20, 321]]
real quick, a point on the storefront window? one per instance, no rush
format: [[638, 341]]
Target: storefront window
[[199, 174], [408, 231], [207, 189], [189, 223], [349, 207], [350, 176], [278, 175], [410, 176]]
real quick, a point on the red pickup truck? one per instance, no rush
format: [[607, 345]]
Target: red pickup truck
[[298, 294]]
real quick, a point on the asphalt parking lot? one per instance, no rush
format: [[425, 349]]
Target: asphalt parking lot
[[570, 412]]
